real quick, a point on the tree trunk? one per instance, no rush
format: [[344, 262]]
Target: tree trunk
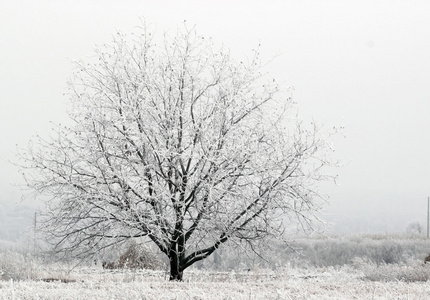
[[175, 268], [176, 275], [177, 251]]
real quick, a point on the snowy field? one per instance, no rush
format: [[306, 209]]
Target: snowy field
[[322, 283], [343, 267]]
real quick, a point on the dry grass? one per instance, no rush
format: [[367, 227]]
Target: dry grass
[[366, 276], [328, 283]]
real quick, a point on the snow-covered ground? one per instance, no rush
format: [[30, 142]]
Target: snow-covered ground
[[290, 283], [342, 267]]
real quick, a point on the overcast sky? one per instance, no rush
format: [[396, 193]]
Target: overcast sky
[[364, 65]]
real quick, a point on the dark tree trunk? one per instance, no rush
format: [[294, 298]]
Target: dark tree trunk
[[177, 251], [176, 273]]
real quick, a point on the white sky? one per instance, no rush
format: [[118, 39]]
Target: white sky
[[364, 65]]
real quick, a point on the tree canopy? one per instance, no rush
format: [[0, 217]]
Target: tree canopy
[[177, 143]]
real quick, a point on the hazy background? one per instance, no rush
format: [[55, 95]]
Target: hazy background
[[364, 65]]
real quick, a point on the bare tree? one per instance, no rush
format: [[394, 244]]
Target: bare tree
[[414, 228], [179, 144]]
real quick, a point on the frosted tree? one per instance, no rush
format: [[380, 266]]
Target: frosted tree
[[179, 144]]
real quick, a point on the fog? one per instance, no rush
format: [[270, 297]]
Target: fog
[[361, 65]]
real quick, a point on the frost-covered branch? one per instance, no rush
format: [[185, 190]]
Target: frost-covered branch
[[177, 143]]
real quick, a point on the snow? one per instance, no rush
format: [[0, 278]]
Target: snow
[[290, 283]]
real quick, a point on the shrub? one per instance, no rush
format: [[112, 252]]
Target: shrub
[[342, 250], [136, 257], [18, 266], [411, 271]]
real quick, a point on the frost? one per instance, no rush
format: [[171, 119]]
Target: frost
[[178, 145]]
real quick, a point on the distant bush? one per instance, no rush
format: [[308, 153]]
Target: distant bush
[[326, 252], [342, 250], [18, 266], [410, 271], [415, 228], [136, 257]]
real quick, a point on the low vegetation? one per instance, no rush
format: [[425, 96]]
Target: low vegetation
[[343, 267], [136, 257], [334, 251]]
